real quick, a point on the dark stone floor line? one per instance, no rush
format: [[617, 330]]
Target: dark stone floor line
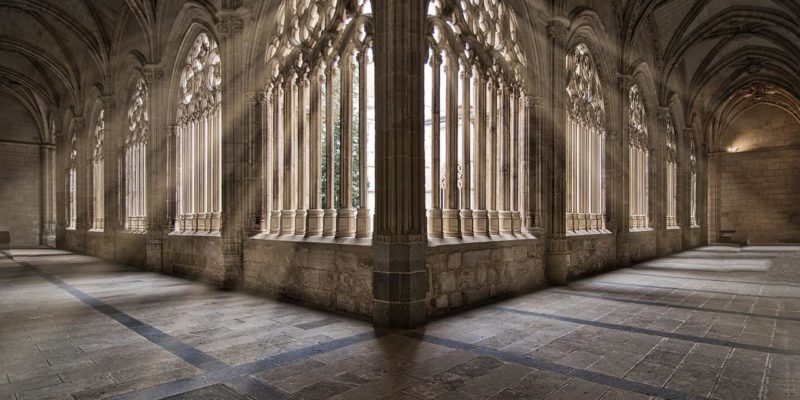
[[237, 375], [533, 362], [636, 272], [698, 290], [651, 332], [671, 305]]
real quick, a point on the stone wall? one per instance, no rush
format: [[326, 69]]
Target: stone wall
[[100, 245], [330, 276], [671, 241], [642, 245], [591, 254], [20, 193], [194, 256], [131, 248], [760, 195], [468, 274]]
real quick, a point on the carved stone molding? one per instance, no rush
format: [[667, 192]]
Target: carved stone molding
[[557, 30], [230, 26]]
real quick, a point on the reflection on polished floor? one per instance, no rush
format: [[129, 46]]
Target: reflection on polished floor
[[716, 322]]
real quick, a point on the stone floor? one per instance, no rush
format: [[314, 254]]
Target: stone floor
[[717, 322]]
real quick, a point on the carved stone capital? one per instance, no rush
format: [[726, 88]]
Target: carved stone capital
[[625, 82], [152, 74], [109, 102], [230, 26], [557, 30], [664, 115]]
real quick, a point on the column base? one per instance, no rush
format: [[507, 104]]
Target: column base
[[329, 222], [275, 222], [506, 224], [494, 222], [363, 223], [315, 222], [399, 315], [346, 222], [516, 222], [480, 223], [557, 263], [399, 284], [300, 222], [435, 222], [450, 222], [287, 222], [467, 227]]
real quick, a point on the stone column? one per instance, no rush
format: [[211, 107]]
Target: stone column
[[114, 131], [82, 203], [256, 150], [234, 132], [466, 152], [400, 278], [48, 192], [157, 167], [346, 218], [492, 177], [659, 202], [450, 217], [315, 212], [364, 219], [480, 215], [558, 258], [622, 174], [534, 120], [329, 214], [301, 154], [276, 100], [684, 189], [504, 157], [435, 212], [288, 161], [61, 195]]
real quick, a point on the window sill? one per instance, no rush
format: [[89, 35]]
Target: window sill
[[478, 241], [695, 227], [96, 231], [329, 240], [674, 228], [195, 234], [641, 230], [587, 233], [134, 231]]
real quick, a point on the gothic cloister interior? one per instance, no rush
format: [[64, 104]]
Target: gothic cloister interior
[[399, 199]]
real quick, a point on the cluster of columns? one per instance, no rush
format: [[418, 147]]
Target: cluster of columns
[[584, 170], [135, 154], [489, 125], [200, 161], [298, 118]]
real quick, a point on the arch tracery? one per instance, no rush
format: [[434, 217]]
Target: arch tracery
[[135, 148], [476, 93], [639, 158], [199, 138], [96, 165], [585, 142]]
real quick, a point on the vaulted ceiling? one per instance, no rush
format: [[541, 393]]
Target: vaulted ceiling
[[727, 54]]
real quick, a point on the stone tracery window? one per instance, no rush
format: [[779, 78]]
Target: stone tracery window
[[585, 143], [136, 159], [693, 183], [97, 174], [320, 121], [199, 139], [639, 154], [72, 185], [672, 173], [475, 105]]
